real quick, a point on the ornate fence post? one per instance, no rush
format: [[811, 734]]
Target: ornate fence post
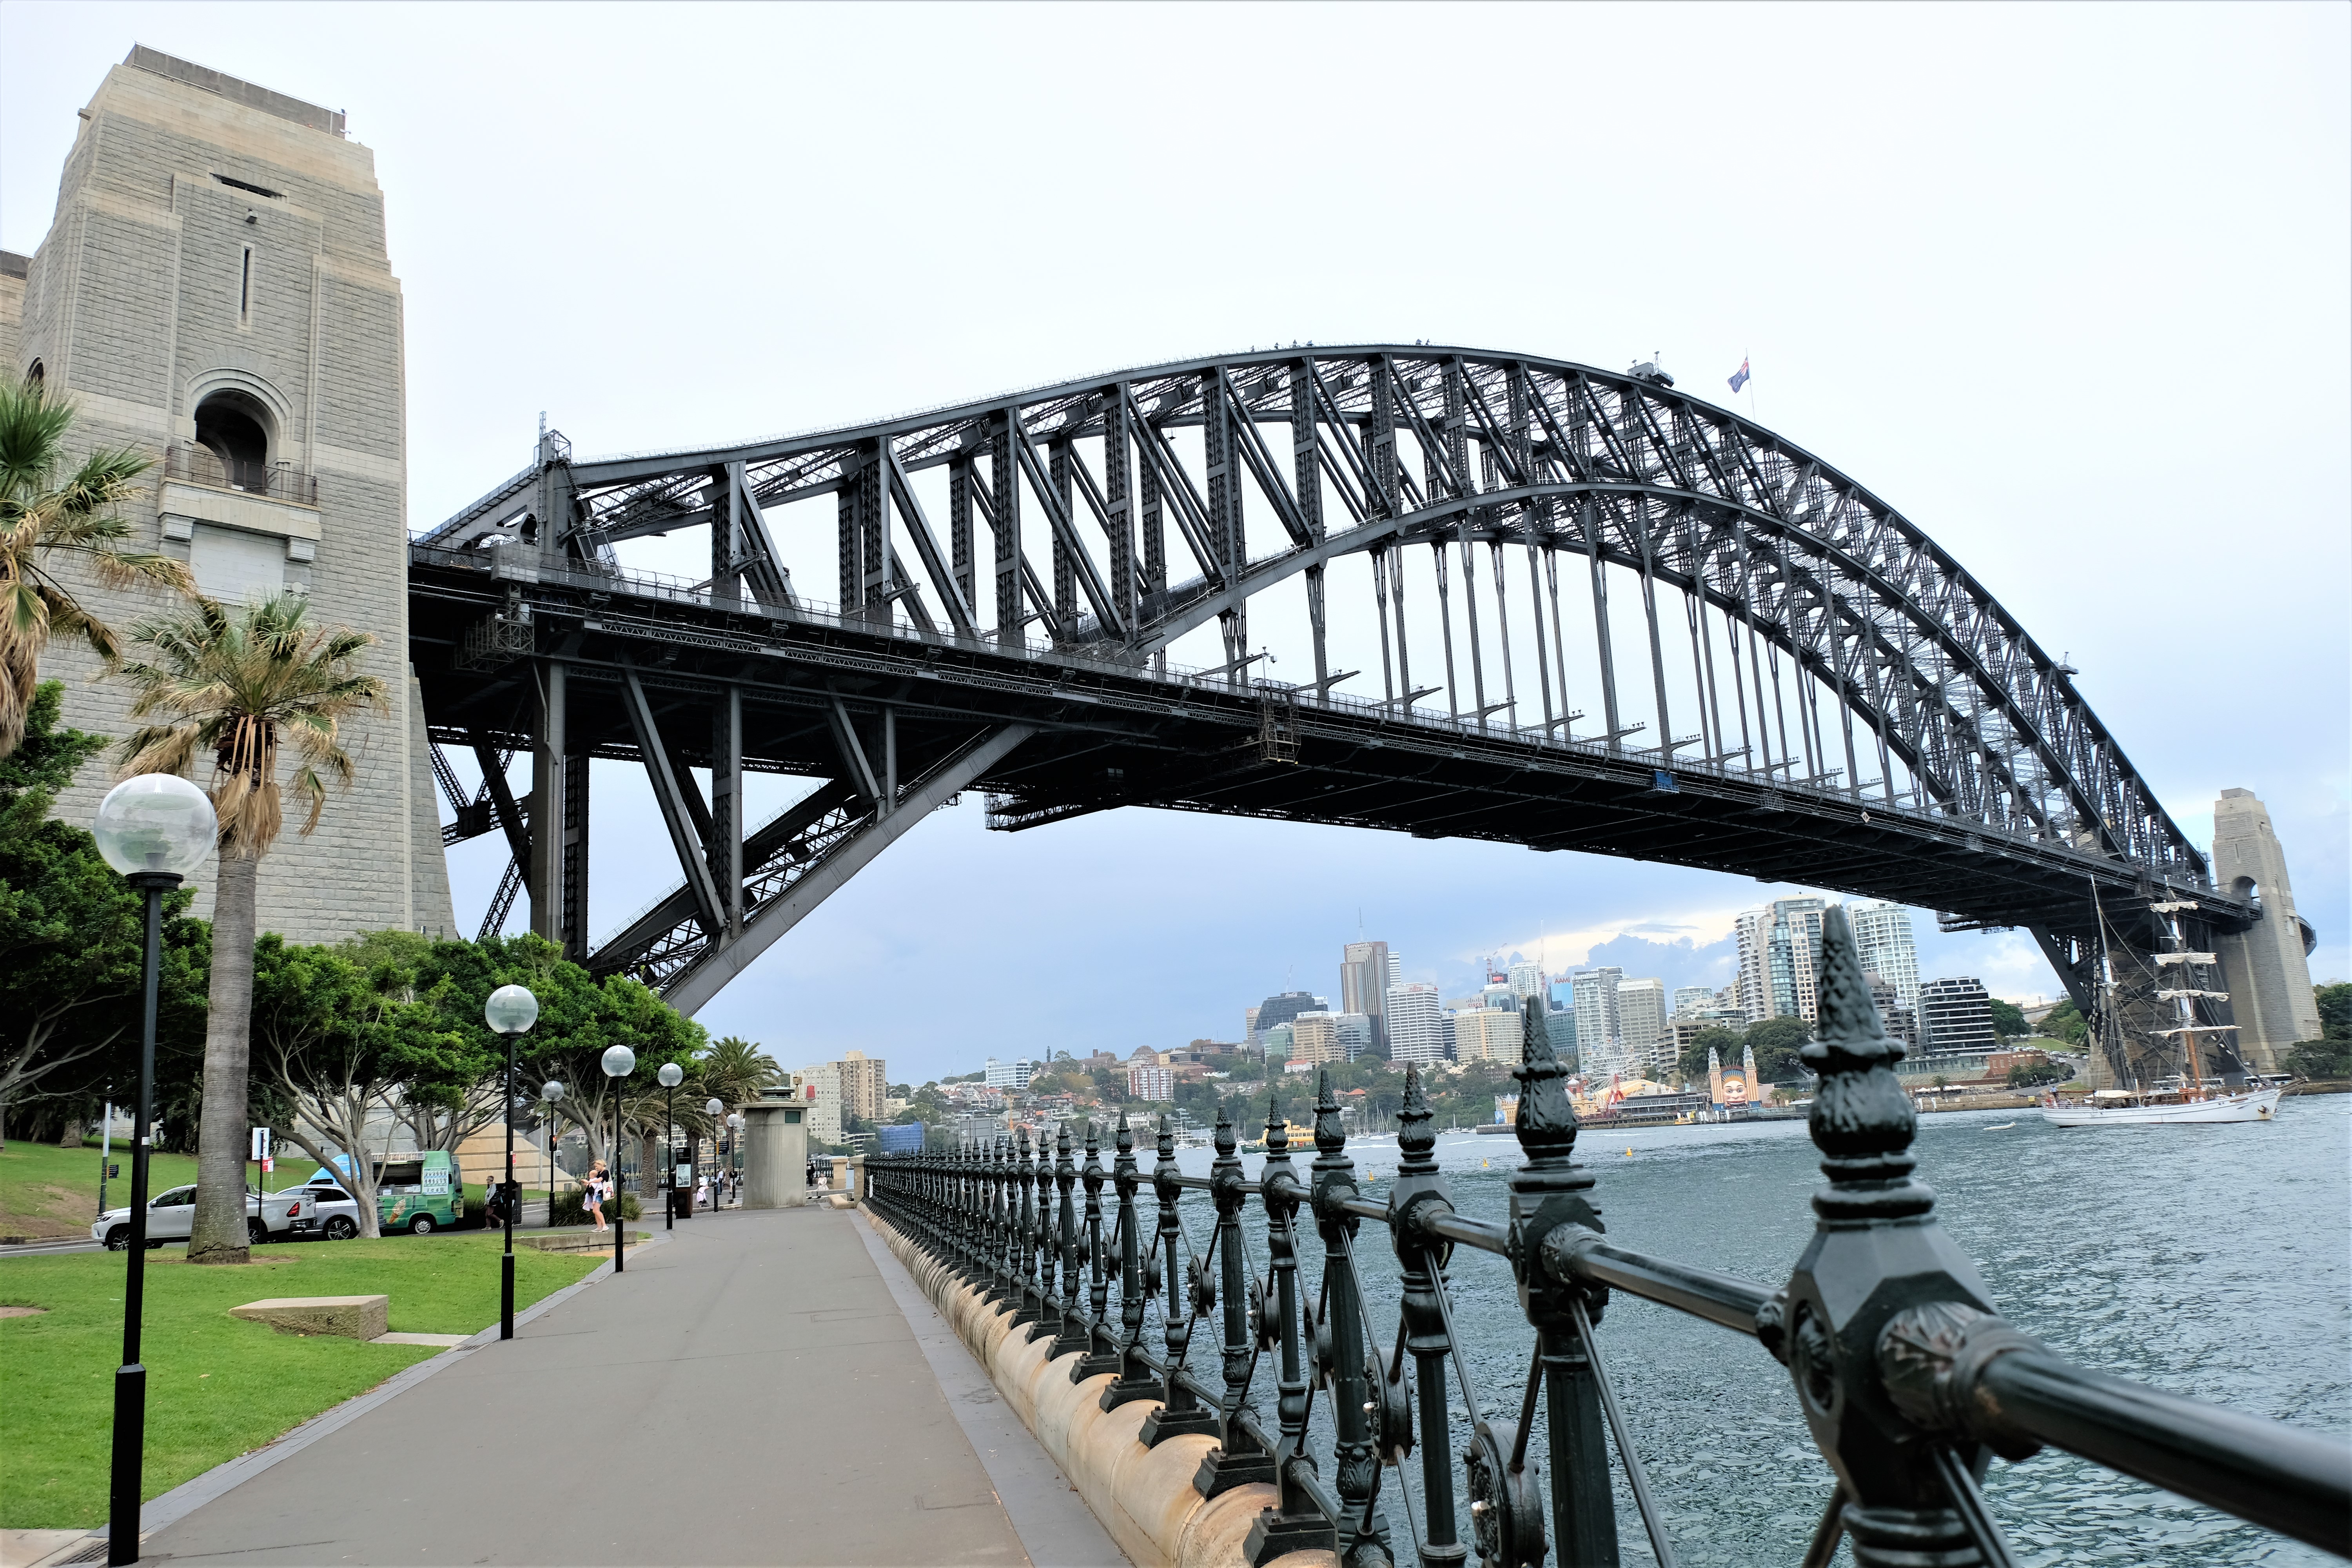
[[1418, 1184], [1183, 1411], [1878, 1293], [1070, 1333], [990, 1262], [1136, 1380], [1339, 1339], [1024, 1238], [1548, 1200], [1295, 1523], [1007, 1260], [1239, 1457], [1049, 1305], [1102, 1350]]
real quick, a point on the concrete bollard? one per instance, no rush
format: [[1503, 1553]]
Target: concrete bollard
[[1143, 1496]]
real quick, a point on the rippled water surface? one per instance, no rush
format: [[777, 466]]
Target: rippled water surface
[[2208, 1261]]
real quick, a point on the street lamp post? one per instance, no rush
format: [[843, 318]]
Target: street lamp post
[[154, 829], [619, 1063], [510, 1011], [670, 1076], [711, 1107], [551, 1092]]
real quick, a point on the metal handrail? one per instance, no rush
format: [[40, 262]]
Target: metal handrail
[[1908, 1379], [275, 481]]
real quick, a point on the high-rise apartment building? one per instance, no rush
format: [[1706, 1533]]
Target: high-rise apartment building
[[1956, 1014], [1152, 1082], [1597, 1028], [1691, 999], [824, 1107], [1881, 940], [1780, 959], [995, 1074], [1417, 1027], [865, 1085], [1526, 980], [1486, 1035], [1364, 982], [1645, 1046]]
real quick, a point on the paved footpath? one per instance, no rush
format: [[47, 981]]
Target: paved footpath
[[759, 1388]]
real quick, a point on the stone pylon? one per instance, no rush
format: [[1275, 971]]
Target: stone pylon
[[214, 293], [2266, 968]]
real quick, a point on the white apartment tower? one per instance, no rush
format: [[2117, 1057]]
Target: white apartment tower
[[1882, 938]]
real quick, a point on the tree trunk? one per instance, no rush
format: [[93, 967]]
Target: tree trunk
[[72, 1136], [216, 1232]]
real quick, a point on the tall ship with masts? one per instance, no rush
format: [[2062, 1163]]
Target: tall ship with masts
[[2183, 1094]]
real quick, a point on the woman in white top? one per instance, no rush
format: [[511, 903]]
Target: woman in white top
[[592, 1193]]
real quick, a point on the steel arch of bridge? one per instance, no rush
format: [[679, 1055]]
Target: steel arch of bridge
[[1944, 714]]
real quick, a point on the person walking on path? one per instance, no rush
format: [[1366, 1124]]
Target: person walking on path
[[592, 1193]]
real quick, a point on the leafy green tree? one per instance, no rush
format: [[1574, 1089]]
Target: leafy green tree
[[2335, 1010], [1691, 1064], [340, 1035], [242, 688], [2009, 1020], [2033, 1075], [1776, 1042], [44, 523], [2065, 1022], [578, 1017], [73, 942]]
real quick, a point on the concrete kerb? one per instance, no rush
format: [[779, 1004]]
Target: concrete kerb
[[160, 1513], [1144, 1497]]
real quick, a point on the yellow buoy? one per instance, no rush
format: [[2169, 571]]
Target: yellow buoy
[[1629, 1154]]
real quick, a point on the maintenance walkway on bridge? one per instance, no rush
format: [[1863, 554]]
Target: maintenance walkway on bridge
[[755, 1387]]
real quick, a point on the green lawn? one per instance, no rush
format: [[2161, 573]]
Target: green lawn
[[46, 1191], [216, 1385]]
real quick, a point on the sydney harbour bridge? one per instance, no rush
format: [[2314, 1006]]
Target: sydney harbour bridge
[[1543, 604]]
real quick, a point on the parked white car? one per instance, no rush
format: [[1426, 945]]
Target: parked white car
[[296, 1211]]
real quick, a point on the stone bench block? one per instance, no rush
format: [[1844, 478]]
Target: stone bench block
[[354, 1317]]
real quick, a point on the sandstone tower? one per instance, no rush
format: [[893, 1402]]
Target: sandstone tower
[[2266, 969], [215, 292]]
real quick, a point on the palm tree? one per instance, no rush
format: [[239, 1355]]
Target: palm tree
[[736, 1070], [43, 524], [242, 685]]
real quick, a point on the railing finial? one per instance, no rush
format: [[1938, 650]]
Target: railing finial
[[1415, 1142], [1546, 1120], [1226, 1142], [1330, 1138], [1861, 1121]]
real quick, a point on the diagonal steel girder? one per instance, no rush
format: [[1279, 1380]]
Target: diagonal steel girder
[[720, 963]]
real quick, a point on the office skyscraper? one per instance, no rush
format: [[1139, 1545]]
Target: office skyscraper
[[1882, 939], [1417, 1027], [1646, 1048], [1689, 999], [1364, 980], [1526, 980]]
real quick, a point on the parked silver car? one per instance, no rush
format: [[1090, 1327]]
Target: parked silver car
[[169, 1217]]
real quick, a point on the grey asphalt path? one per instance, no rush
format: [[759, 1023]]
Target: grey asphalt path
[[750, 1393]]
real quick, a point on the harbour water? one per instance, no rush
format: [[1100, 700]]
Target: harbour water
[[2208, 1261]]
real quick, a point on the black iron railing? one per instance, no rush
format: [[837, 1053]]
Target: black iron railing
[[275, 481], [1910, 1382]]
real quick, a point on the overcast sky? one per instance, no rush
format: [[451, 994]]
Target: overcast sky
[[2067, 287]]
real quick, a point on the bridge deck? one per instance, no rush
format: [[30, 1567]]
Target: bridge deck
[[753, 1391]]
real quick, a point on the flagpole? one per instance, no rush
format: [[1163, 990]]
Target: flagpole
[[1745, 360]]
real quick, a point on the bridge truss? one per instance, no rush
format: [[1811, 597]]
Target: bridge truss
[[1777, 673]]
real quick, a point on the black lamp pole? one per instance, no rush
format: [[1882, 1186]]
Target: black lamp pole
[[507, 1201], [669, 1157], [620, 1199], [130, 1377]]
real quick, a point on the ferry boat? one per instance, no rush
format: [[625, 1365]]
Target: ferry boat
[[2182, 1098]]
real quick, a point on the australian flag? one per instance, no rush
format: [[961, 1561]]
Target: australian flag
[[1740, 379]]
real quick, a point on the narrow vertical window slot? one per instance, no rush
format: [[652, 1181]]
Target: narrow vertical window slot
[[245, 291]]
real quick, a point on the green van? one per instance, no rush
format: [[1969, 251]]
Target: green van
[[418, 1192]]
